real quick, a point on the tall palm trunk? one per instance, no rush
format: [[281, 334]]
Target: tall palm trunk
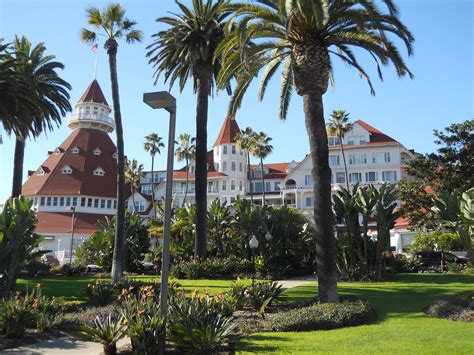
[[323, 216], [263, 182], [187, 182], [119, 241], [133, 199], [203, 81], [18, 167], [344, 159], [249, 176], [153, 185]]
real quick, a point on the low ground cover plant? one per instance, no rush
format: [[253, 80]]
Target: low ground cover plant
[[458, 308], [211, 268], [100, 293], [322, 316]]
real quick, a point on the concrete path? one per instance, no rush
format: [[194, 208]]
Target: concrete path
[[72, 346]]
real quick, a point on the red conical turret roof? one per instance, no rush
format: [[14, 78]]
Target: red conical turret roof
[[94, 94], [228, 131]]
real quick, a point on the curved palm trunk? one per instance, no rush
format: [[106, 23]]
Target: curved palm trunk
[[344, 160], [202, 88], [323, 216], [249, 176], [187, 182], [119, 240], [133, 198], [153, 213], [263, 182], [18, 167]]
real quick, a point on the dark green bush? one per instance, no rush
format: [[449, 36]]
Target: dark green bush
[[322, 316], [238, 292], [99, 293], [400, 263], [16, 315], [72, 269], [211, 268]]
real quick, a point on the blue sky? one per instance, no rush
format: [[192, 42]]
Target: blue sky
[[407, 110]]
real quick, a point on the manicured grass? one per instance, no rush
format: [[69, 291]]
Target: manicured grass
[[402, 326], [73, 288]]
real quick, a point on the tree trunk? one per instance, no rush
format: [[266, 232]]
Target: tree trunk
[[249, 175], [119, 241], [345, 164], [18, 167], [203, 81], [323, 215], [153, 212], [187, 182], [133, 199], [263, 183]]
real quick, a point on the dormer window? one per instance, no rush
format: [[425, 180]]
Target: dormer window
[[99, 172], [58, 150], [75, 150], [97, 151], [66, 170], [40, 171]]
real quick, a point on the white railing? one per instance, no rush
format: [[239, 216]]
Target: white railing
[[100, 117], [63, 256]]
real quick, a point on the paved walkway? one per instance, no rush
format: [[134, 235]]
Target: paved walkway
[[71, 346]]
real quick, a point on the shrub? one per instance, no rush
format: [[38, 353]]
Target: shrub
[[106, 332], [238, 291], [198, 325], [72, 269], [211, 268], [322, 316], [261, 295], [145, 327], [459, 307], [99, 293], [35, 267], [400, 263], [47, 311], [16, 315]]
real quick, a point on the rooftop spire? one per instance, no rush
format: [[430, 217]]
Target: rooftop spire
[[228, 131], [94, 94]]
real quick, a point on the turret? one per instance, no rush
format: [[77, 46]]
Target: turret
[[92, 111]]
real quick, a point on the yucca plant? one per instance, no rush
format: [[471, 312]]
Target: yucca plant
[[262, 295], [16, 315], [197, 325], [107, 332]]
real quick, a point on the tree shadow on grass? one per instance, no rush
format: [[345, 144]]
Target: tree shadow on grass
[[259, 342]]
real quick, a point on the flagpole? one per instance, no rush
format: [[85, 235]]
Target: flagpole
[[95, 65]]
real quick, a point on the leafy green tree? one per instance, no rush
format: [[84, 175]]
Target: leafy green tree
[[186, 50], [133, 174], [436, 240], [244, 142], [339, 125], [18, 242], [219, 219], [47, 92], [112, 23], [186, 151], [261, 148], [153, 144], [299, 37]]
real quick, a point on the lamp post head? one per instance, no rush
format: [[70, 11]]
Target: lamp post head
[[71, 208], [160, 99], [253, 243], [268, 236]]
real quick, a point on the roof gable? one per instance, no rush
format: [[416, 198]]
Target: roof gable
[[376, 136], [228, 131], [94, 94]]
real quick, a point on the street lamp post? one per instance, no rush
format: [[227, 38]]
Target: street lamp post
[[253, 243], [73, 223], [163, 99]]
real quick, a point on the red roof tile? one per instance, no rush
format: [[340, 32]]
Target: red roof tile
[[275, 170], [94, 94], [82, 181], [182, 174], [375, 135], [53, 222], [228, 131]]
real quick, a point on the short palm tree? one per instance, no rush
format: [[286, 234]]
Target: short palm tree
[[300, 36], [338, 125], [183, 51], [133, 174], [244, 141], [186, 151], [260, 147], [113, 25], [153, 144], [45, 90]]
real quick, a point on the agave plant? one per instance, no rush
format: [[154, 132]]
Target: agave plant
[[262, 295], [106, 332]]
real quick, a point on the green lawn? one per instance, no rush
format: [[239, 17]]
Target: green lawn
[[402, 328]]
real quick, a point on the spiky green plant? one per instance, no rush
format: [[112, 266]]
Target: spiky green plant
[[107, 332]]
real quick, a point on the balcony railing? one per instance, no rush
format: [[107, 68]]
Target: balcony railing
[[91, 116]]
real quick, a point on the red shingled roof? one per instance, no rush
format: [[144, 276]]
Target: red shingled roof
[[228, 131], [53, 222], [275, 170], [94, 94], [82, 181], [211, 171], [375, 135]]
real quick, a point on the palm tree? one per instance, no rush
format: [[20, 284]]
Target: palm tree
[[152, 145], [186, 151], [133, 174], [260, 147], [339, 125], [114, 25], [186, 50], [299, 37], [244, 141], [47, 103]]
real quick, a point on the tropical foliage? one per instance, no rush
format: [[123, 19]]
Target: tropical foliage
[[186, 151], [260, 148], [133, 175], [338, 125], [153, 144]]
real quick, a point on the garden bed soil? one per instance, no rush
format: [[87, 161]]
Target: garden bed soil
[[456, 308]]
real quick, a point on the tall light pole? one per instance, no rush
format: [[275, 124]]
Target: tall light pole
[[163, 99], [73, 224]]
